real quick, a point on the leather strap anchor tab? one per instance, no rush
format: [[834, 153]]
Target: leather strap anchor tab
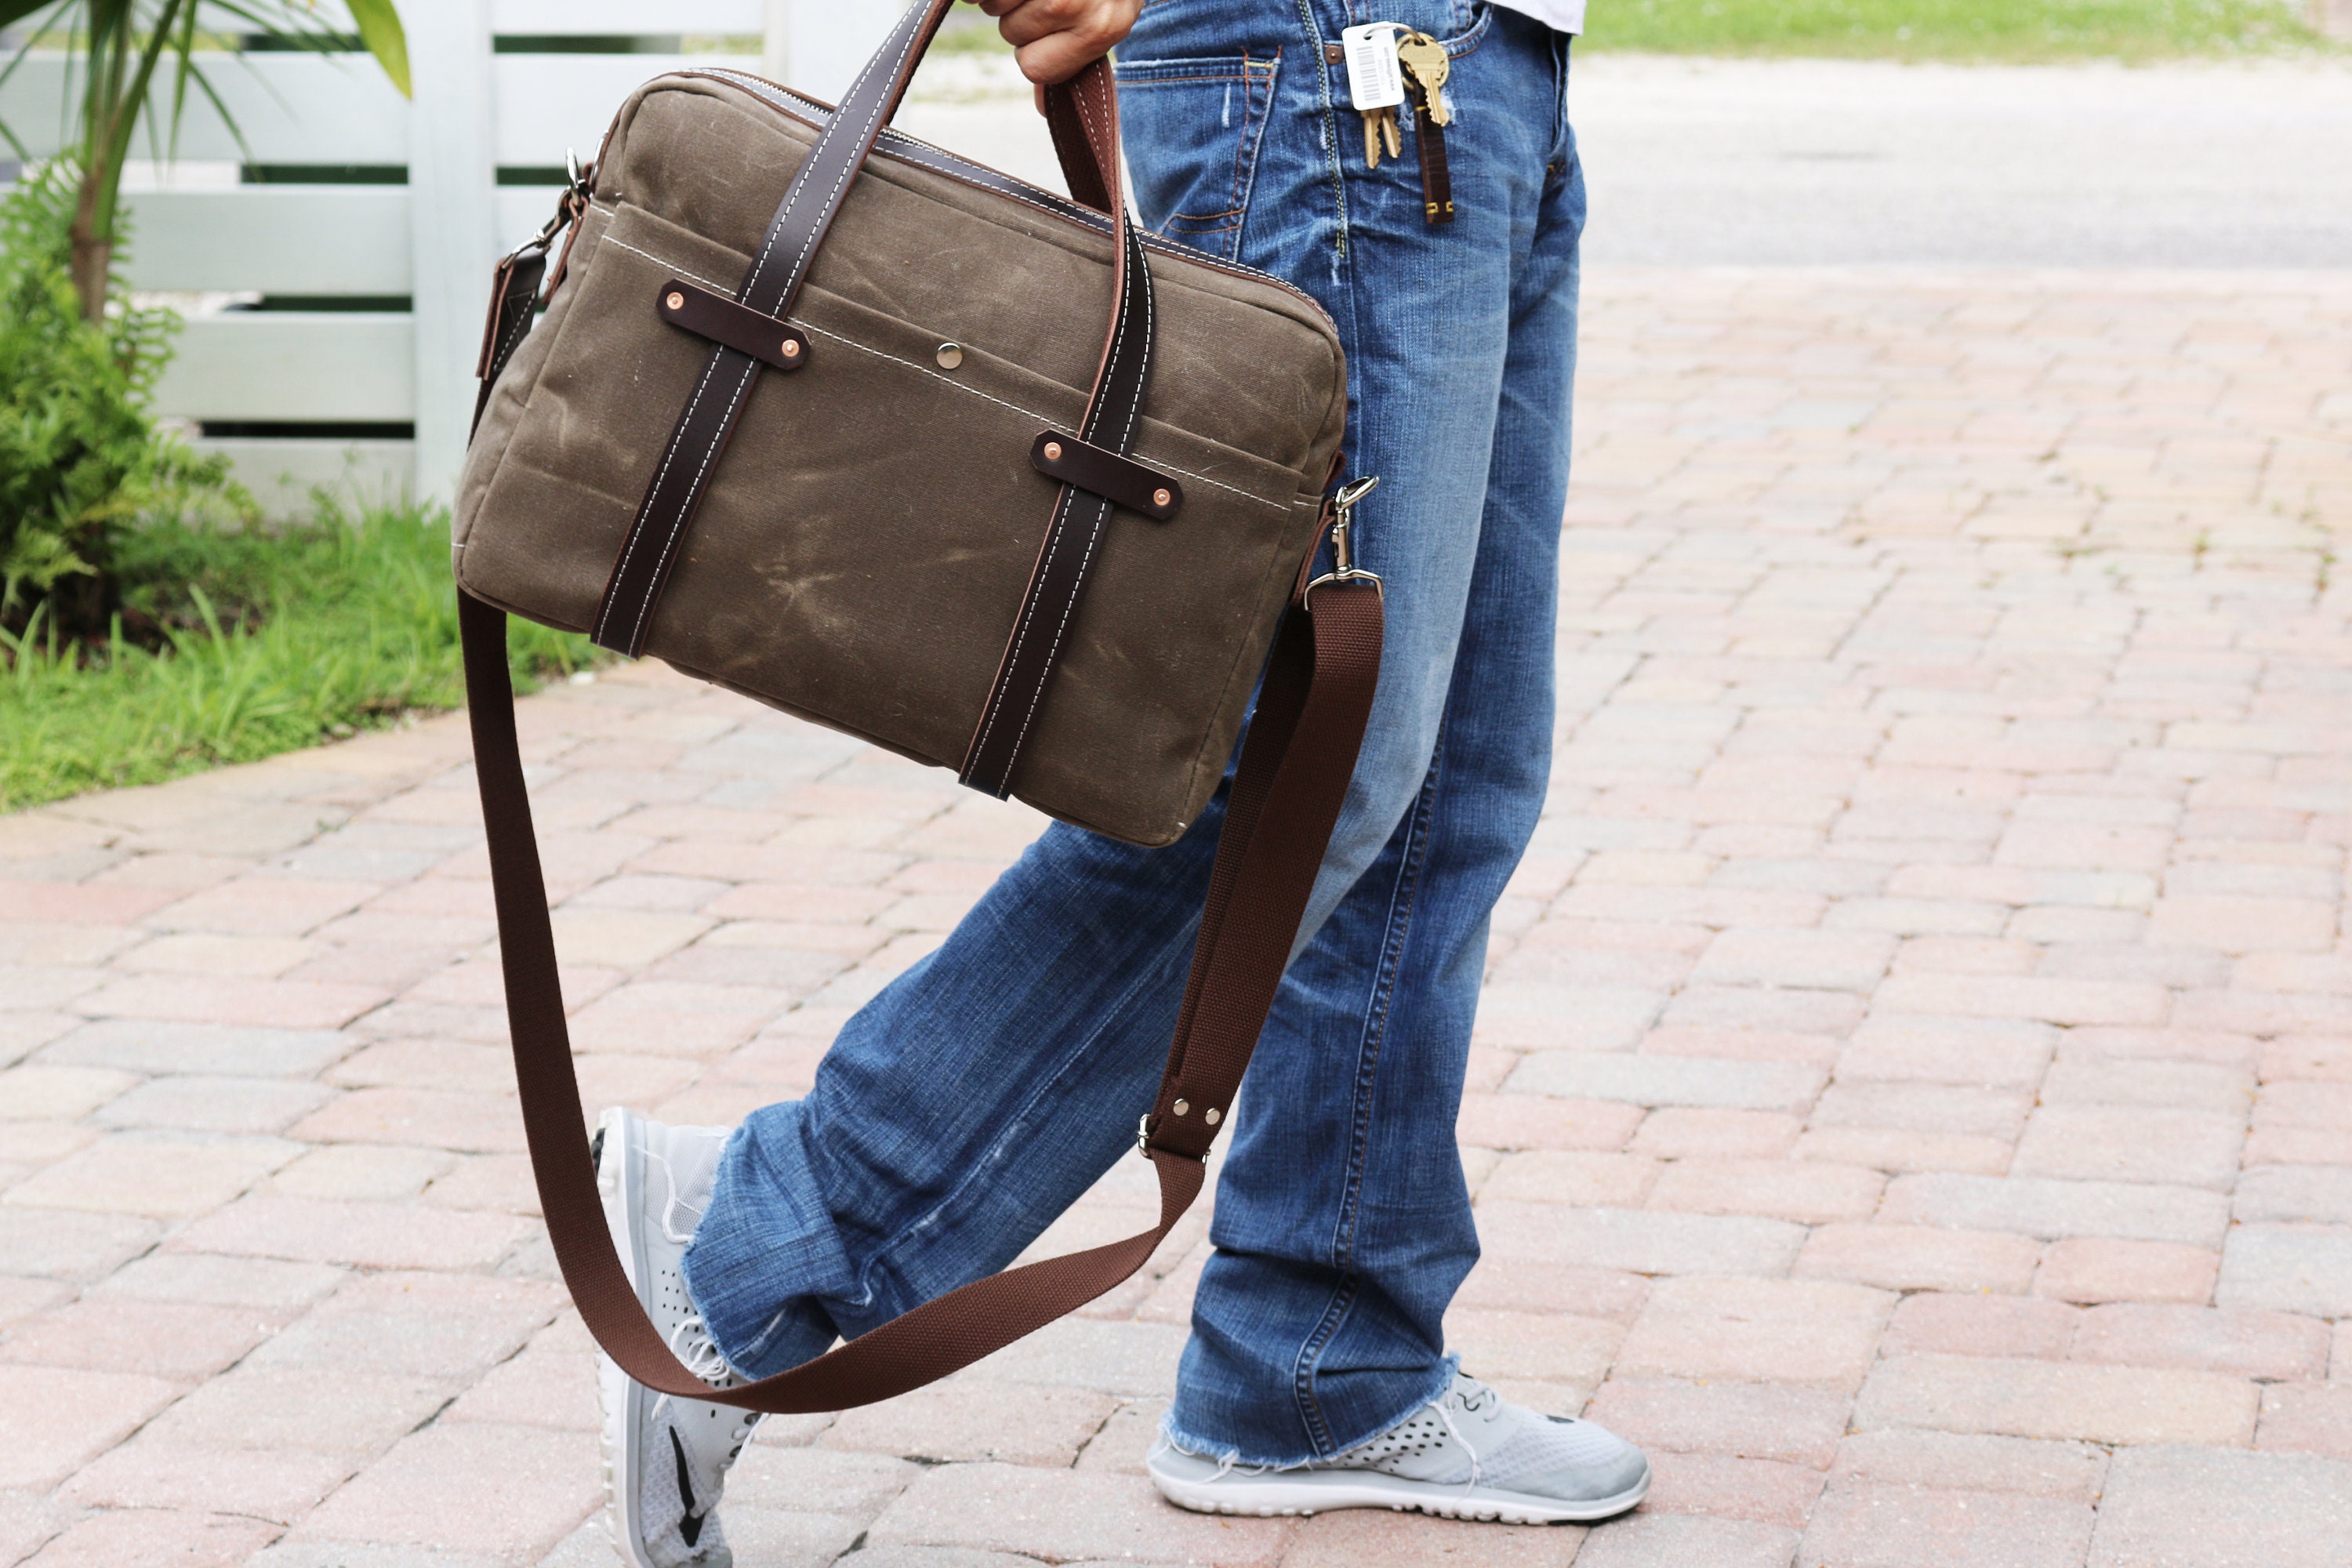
[[722, 320], [1106, 474], [515, 286]]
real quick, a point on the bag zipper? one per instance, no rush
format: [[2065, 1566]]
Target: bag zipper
[[814, 113]]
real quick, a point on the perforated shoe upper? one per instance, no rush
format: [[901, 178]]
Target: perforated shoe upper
[[680, 1449], [1473, 1436]]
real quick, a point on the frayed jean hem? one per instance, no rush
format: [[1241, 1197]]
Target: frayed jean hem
[[1232, 1458]]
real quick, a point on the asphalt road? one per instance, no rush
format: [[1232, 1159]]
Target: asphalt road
[[1808, 162], [1714, 163]]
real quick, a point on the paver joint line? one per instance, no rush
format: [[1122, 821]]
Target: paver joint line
[[1911, 1095]]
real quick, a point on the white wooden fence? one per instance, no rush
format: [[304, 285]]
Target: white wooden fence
[[478, 107]]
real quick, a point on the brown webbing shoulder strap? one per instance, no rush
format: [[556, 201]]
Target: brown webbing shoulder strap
[[1285, 797]]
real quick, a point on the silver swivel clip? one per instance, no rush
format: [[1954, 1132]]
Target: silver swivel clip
[[1343, 551], [570, 203]]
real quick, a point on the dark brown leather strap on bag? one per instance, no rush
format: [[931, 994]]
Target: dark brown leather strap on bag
[[1083, 115], [1285, 797]]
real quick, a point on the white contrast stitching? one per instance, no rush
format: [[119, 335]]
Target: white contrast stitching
[[1069, 608], [847, 169], [1135, 406], [910, 149], [677, 530], [1053, 548], [603, 618], [1093, 427], [1017, 408], [665, 263], [1045, 571], [514, 335], [678, 524], [1104, 156], [1102, 512]]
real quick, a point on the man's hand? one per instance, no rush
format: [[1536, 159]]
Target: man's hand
[[1054, 39]]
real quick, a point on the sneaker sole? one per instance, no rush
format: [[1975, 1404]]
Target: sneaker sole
[[619, 1396], [1312, 1492]]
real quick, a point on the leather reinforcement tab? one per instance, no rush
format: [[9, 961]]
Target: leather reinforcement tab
[[740, 328], [1120, 480], [514, 303]]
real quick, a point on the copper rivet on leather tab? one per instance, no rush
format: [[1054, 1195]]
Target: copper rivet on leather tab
[[1215, 1116], [949, 355], [1054, 455], [791, 348], [1161, 496], [676, 301], [1181, 1106]]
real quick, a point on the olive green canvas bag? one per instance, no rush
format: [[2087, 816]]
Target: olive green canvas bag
[[981, 475]]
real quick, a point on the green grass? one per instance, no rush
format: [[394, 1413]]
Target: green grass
[[2023, 31], [262, 643]]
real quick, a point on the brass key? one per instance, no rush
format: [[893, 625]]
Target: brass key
[[1426, 68], [1381, 126], [1426, 58]]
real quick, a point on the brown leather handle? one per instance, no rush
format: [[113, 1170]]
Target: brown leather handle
[[1075, 109], [1081, 114], [1090, 171], [1088, 119]]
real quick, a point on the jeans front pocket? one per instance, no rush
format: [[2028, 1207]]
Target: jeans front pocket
[[1191, 129]]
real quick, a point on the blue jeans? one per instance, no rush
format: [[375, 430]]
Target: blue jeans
[[987, 1088]]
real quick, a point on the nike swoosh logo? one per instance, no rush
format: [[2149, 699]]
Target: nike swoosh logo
[[689, 1529]]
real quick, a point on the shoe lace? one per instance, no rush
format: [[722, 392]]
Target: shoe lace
[[690, 1342], [1447, 1415], [675, 1203]]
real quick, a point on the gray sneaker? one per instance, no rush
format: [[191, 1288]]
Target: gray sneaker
[[666, 1459], [1471, 1454]]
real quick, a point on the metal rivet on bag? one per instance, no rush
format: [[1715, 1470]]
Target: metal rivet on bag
[[1053, 452], [949, 355], [791, 348], [1181, 1106], [676, 301], [1161, 496], [1215, 1116]]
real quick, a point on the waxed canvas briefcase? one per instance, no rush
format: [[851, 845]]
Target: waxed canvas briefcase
[[981, 475], [869, 540]]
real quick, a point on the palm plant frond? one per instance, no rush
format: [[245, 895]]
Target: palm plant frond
[[114, 50]]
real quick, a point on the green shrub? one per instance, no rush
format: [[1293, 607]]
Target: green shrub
[[80, 462]]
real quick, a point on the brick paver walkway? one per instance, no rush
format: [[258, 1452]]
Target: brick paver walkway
[[1914, 1095]]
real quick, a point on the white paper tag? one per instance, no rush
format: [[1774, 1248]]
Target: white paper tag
[[1374, 78]]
